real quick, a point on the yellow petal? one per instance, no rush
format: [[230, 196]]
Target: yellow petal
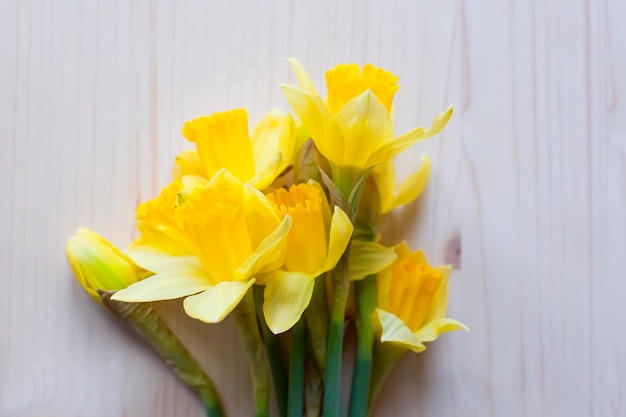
[[384, 176], [273, 142], [432, 330], [341, 229], [287, 295], [395, 331], [438, 307], [157, 261], [188, 163], [259, 214], [212, 305], [223, 142], [365, 125], [303, 77], [270, 254], [367, 258], [413, 186], [165, 286], [193, 181], [401, 143], [318, 121]]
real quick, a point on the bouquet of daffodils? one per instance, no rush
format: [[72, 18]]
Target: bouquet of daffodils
[[278, 230]]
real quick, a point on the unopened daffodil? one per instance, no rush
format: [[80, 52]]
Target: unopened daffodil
[[98, 265]]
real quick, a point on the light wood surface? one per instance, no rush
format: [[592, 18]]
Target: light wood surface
[[527, 196]]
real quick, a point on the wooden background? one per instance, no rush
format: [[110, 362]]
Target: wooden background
[[527, 197]]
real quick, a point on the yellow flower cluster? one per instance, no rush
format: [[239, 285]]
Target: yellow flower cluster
[[234, 217]]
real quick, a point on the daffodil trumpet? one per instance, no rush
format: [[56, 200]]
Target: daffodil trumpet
[[154, 331]]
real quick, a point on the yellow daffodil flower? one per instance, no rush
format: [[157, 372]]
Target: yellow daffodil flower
[[233, 233], [353, 128], [315, 244], [412, 301], [222, 141], [98, 265]]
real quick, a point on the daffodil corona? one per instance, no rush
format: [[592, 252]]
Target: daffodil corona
[[222, 142], [412, 301]]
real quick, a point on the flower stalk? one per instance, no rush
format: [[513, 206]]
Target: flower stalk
[[365, 296], [341, 285], [274, 354], [245, 319], [296, 369], [147, 323]]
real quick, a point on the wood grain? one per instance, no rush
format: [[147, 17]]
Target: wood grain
[[527, 196]]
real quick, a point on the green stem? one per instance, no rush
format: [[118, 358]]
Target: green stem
[[365, 296], [385, 357], [149, 325], [274, 354], [317, 318], [246, 322], [332, 397], [296, 370], [314, 388]]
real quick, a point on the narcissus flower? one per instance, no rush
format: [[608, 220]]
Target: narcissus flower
[[222, 142], [353, 128], [234, 234], [98, 265], [315, 244], [412, 301]]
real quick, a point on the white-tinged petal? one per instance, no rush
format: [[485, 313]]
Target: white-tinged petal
[[318, 121], [395, 331], [341, 229], [432, 330], [402, 142], [287, 295], [367, 258], [152, 259], [303, 77], [165, 286], [270, 254], [365, 125], [212, 305], [413, 186]]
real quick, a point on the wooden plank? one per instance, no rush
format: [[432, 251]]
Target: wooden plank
[[527, 195]]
